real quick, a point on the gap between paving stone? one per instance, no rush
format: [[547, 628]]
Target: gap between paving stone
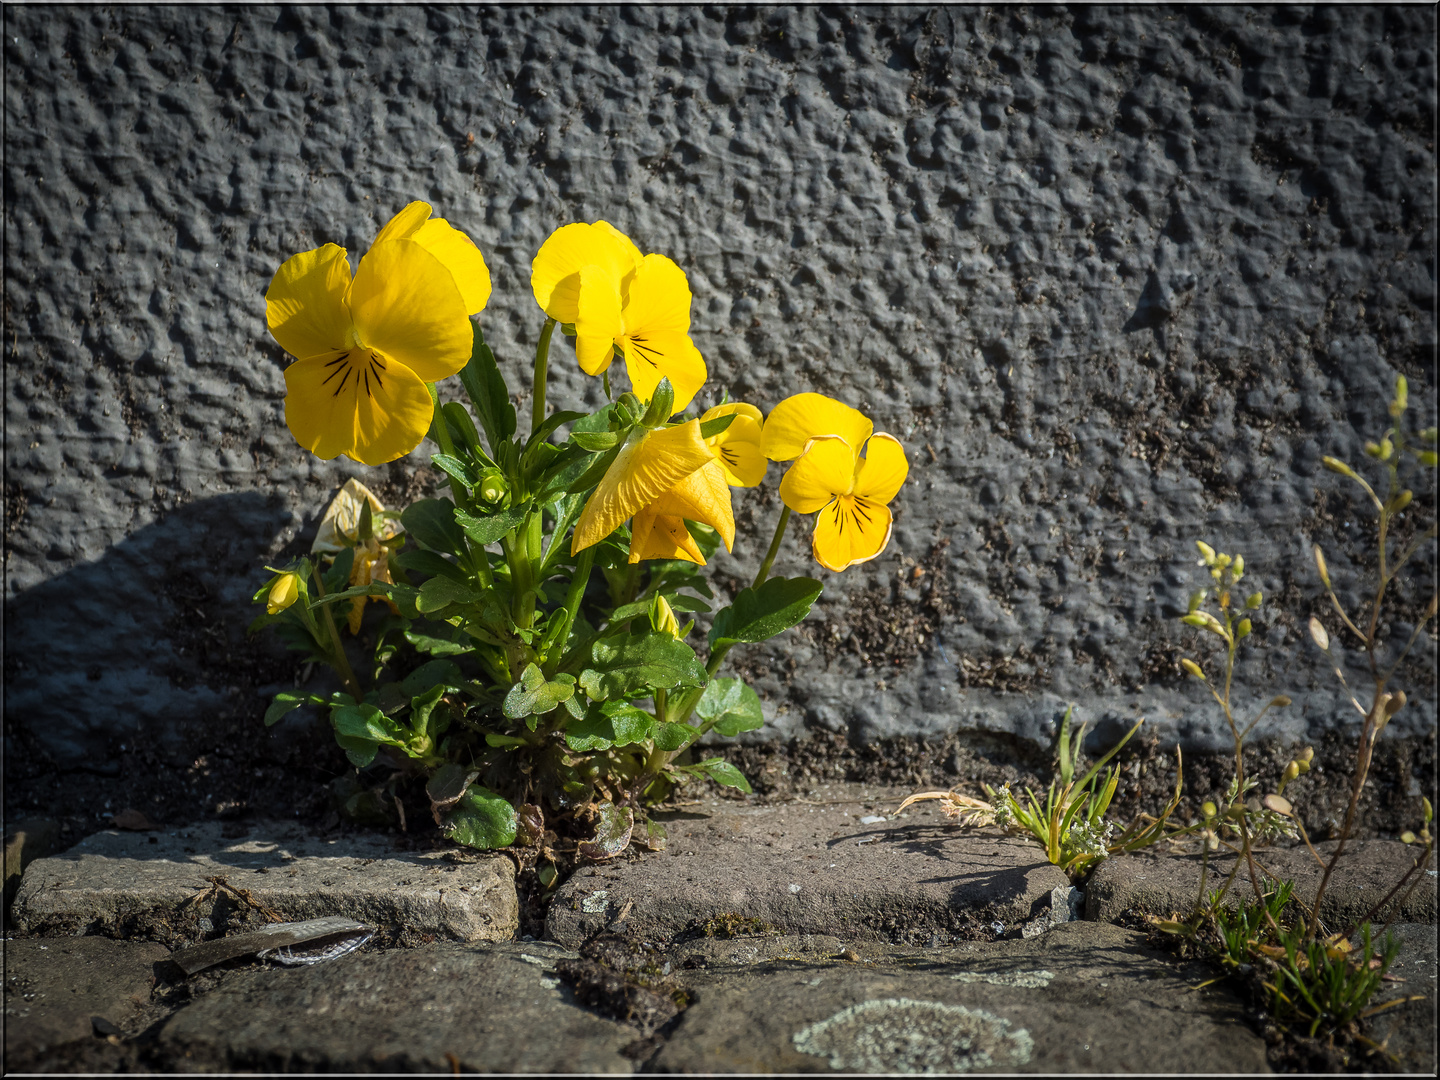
[[1161, 884], [155, 886], [804, 868]]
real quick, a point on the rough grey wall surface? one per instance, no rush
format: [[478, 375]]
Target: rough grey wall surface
[[1117, 278]]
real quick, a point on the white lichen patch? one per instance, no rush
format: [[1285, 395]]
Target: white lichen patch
[[1030, 980], [595, 903], [899, 1035]]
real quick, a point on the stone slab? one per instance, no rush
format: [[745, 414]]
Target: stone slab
[[442, 1007], [157, 886], [55, 986], [26, 841], [814, 868], [1082, 998], [1163, 884]]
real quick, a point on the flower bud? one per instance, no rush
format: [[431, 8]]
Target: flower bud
[[1427, 457], [1254, 600], [493, 486], [1242, 630], [662, 617], [1291, 772], [1402, 396], [1196, 599], [1429, 813], [1207, 553], [1407, 837], [1401, 501], [1193, 668], [1372, 449], [1222, 560], [1239, 569], [1208, 809], [284, 592]]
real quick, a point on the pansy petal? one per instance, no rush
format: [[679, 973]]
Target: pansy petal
[[824, 471], [405, 224], [797, 420], [850, 531], [461, 257], [883, 469], [703, 496], [356, 403], [405, 304], [659, 297], [662, 536], [664, 354], [735, 408], [555, 273], [341, 520], [305, 303], [650, 464], [737, 448], [597, 319]]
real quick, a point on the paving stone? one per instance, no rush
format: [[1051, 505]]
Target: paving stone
[[1164, 884], [491, 1008], [813, 869], [157, 886], [26, 841], [1084, 997], [54, 987]]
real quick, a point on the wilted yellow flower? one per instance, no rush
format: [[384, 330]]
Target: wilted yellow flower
[[737, 448], [594, 278], [365, 347], [661, 478], [340, 529], [850, 493], [284, 592]]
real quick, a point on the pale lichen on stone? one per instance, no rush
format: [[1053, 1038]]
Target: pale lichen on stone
[[1029, 980], [906, 1036]]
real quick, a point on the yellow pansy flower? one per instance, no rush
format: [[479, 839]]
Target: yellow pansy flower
[[849, 493], [594, 278], [660, 478], [738, 447], [366, 346], [283, 593]]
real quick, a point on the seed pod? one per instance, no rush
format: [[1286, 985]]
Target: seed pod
[[1279, 701], [1407, 837], [1277, 803], [1254, 600], [1196, 599], [1292, 771], [1208, 809], [1401, 501], [1320, 566], [1305, 757], [1318, 634], [1242, 630], [1395, 704], [1193, 668], [1402, 396]]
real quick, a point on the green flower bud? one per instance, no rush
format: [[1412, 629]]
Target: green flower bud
[[1402, 396], [1242, 631], [662, 617], [493, 486], [1196, 599], [1253, 601], [1239, 570], [1207, 553], [1208, 809]]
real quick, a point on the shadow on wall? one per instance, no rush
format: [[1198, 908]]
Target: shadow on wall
[[148, 635]]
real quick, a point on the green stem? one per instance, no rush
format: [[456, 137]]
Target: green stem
[[575, 595], [542, 365], [338, 660], [774, 549]]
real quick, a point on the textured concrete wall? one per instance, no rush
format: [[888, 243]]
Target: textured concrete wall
[[1116, 277]]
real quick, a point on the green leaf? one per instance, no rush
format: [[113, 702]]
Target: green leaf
[[579, 475], [488, 528], [722, 772], [730, 706], [432, 522], [429, 562], [440, 592], [681, 602], [286, 702], [462, 426], [422, 709], [485, 385], [613, 724], [549, 424], [436, 646], [361, 729], [671, 737], [710, 428], [595, 441], [453, 466], [759, 614], [637, 663], [491, 739], [534, 696], [442, 673], [481, 819], [612, 832]]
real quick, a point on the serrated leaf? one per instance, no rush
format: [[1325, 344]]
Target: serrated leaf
[[361, 729], [461, 425], [534, 696], [489, 528], [481, 819], [486, 386], [453, 466], [422, 709], [722, 772], [637, 663], [732, 707], [440, 592], [286, 702], [759, 614], [436, 646], [432, 522], [612, 724], [671, 737]]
